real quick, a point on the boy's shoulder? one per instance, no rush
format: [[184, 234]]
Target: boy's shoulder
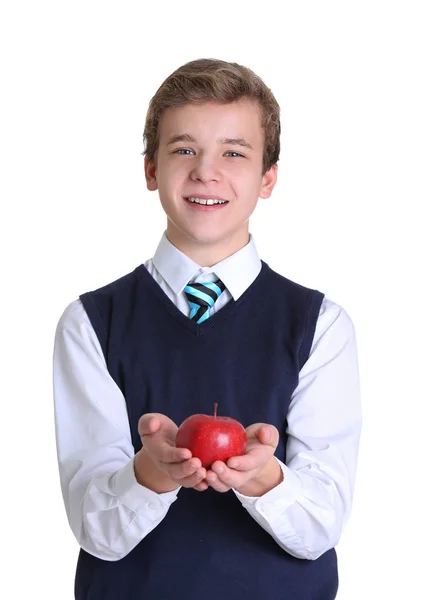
[[74, 313], [117, 285], [329, 311], [282, 281]]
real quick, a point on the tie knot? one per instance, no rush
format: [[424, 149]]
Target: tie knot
[[201, 297]]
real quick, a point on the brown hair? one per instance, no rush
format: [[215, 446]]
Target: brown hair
[[208, 79]]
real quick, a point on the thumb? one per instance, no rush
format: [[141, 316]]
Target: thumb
[[268, 435], [148, 424]]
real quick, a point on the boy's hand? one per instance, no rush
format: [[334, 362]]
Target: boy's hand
[[159, 465], [253, 474]]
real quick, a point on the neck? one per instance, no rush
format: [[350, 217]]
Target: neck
[[207, 255]]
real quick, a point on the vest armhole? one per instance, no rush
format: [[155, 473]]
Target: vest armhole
[[95, 320], [315, 301]]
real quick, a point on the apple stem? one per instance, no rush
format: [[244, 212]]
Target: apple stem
[[215, 409]]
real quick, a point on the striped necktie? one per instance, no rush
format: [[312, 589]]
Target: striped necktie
[[201, 297]]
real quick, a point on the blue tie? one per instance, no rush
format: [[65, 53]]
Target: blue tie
[[201, 297]]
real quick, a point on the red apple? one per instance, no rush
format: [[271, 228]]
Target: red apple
[[211, 438]]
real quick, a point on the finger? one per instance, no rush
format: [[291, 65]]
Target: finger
[[255, 458], [164, 451], [264, 433], [192, 480], [179, 471], [214, 481], [223, 477], [218, 486], [168, 454], [148, 424], [201, 487], [268, 435]]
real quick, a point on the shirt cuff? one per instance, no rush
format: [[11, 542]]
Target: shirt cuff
[[272, 504], [137, 497]]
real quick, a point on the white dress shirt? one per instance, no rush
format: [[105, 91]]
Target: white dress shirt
[[110, 512]]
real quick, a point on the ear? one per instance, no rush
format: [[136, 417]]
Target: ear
[[268, 182], [150, 174]]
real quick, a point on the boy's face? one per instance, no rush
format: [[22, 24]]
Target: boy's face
[[210, 150]]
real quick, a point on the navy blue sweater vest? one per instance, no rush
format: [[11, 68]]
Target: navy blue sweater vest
[[246, 357]]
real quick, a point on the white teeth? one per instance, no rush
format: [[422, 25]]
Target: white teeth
[[208, 202]]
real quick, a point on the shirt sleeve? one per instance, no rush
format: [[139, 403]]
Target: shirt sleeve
[[109, 512], [307, 511]]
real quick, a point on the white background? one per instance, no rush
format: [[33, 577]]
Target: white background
[[347, 217]]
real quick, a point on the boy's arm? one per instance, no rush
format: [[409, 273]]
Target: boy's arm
[[108, 510], [307, 511]]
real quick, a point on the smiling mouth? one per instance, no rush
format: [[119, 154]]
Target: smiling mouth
[[205, 201]]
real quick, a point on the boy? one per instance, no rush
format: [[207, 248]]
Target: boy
[[204, 321]]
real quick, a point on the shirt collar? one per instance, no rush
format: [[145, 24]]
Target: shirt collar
[[237, 271]]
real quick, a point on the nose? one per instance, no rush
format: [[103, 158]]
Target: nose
[[205, 169]]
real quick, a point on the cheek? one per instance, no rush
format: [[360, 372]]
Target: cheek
[[246, 172], [171, 178]]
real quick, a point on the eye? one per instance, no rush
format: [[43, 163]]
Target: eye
[[182, 150], [236, 153]]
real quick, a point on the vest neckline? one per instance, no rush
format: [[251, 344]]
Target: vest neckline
[[222, 313]]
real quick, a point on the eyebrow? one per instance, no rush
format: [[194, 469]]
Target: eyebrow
[[186, 137]]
